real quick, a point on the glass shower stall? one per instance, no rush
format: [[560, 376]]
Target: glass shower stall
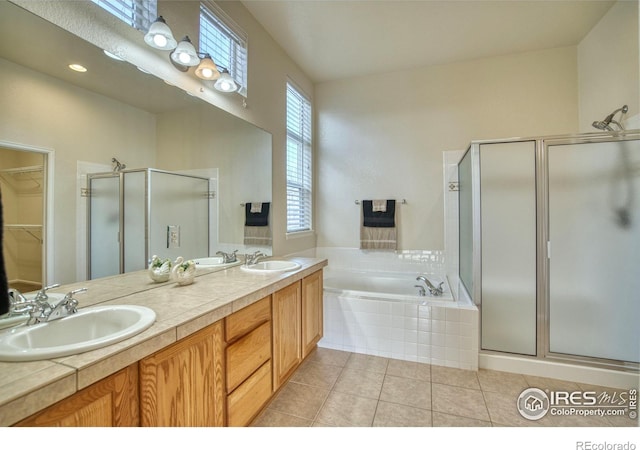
[[135, 214], [550, 246]]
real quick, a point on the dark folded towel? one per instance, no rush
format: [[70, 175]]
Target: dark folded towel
[[260, 219], [379, 219]]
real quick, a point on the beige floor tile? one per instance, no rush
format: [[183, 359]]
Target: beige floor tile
[[503, 410], [315, 374], [409, 369], [459, 401], [455, 377], [329, 356], [551, 384], [448, 420], [359, 382], [367, 362], [271, 418], [395, 415], [504, 382], [406, 391], [342, 409], [623, 421], [573, 421], [299, 400]]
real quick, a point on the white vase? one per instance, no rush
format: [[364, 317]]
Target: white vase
[[159, 271], [183, 272]]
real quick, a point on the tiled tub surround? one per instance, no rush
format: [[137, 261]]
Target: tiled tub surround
[[28, 387], [411, 328]]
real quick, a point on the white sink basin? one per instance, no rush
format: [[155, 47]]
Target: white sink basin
[[271, 266], [10, 321], [88, 329], [211, 262]]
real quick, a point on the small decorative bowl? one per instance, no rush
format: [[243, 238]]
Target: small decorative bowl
[[159, 269]]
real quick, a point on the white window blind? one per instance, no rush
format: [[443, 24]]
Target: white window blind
[[140, 14], [299, 158], [225, 42]]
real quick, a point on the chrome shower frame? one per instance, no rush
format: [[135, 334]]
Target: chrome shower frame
[[543, 352]]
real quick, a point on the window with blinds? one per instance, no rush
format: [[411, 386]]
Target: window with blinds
[[225, 42], [299, 157], [140, 14]]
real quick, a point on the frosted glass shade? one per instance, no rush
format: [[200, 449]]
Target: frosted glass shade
[[185, 53], [159, 36], [207, 70], [226, 83]]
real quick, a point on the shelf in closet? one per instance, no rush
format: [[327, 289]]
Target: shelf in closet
[[30, 229], [26, 179]]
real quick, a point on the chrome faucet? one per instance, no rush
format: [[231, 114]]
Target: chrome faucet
[[435, 291], [42, 293], [252, 258], [421, 290], [228, 257], [45, 312]]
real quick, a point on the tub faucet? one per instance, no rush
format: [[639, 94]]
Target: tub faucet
[[252, 258], [435, 291]]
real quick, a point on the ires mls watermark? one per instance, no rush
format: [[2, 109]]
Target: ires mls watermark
[[534, 403]]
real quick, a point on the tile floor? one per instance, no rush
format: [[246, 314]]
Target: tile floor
[[334, 388]]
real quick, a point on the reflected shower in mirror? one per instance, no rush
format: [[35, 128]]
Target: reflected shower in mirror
[[116, 111]]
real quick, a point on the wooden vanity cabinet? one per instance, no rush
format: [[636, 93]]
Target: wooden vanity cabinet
[[248, 356], [287, 348], [112, 402], [184, 384], [312, 312], [297, 325]]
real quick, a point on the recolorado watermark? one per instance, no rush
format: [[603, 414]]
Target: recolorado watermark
[[534, 404], [588, 445]]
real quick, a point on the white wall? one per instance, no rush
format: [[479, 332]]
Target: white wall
[[608, 67], [77, 125], [383, 136], [269, 67]]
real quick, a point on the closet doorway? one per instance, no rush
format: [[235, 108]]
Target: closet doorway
[[23, 187]]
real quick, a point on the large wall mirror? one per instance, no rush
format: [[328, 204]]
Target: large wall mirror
[[79, 122]]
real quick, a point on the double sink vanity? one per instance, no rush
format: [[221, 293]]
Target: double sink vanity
[[216, 353]]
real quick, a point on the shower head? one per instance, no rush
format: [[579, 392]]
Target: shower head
[[606, 123], [601, 125]]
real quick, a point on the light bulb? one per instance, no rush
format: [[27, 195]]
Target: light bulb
[[184, 58], [225, 86], [160, 40], [207, 73]]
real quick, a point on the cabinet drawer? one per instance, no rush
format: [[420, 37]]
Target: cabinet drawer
[[245, 320], [246, 401], [247, 354]]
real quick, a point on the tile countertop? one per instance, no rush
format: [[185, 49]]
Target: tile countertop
[[28, 387]]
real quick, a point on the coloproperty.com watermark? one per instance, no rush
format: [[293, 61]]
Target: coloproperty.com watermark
[[534, 404]]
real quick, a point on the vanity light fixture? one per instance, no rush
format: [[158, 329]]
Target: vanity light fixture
[[184, 56], [226, 83], [185, 53], [160, 36], [207, 69]]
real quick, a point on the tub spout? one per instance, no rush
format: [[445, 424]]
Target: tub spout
[[435, 291]]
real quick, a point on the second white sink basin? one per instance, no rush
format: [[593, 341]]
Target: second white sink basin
[[271, 266], [88, 329], [211, 262]]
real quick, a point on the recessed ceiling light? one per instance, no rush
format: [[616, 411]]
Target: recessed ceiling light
[[77, 67]]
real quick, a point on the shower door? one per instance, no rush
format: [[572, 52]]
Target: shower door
[[104, 226], [594, 249]]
